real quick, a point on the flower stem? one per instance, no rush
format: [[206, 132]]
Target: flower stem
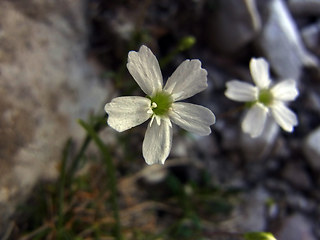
[[76, 159], [110, 173], [97, 125], [61, 186]]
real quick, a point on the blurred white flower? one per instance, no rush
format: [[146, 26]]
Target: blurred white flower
[[161, 104], [264, 99]]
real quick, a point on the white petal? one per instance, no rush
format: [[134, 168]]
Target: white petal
[[259, 69], [285, 90], [241, 91], [254, 120], [144, 68], [127, 112], [157, 142], [193, 118], [284, 116], [187, 80]]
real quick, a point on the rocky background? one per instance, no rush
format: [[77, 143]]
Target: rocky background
[[61, 60], [46, 83]]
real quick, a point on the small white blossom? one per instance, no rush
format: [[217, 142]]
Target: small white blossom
[[160, 104], [264, 98]]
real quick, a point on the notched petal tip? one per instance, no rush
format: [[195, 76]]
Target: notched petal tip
[[142, 50]]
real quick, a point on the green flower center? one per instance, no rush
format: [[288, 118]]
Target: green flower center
[[161, 103], [265, 97]]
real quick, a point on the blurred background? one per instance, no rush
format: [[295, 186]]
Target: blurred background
[[62, 60]]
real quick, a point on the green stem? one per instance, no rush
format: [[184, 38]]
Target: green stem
[[110, 172], [77, 159], [61, 185]]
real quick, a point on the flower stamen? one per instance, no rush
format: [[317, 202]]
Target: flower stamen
[[161, 103], [265, 97]]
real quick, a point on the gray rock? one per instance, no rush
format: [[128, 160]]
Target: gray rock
[[313, 99], [304, 8], [297, 176], [233, 24], [311, 37], [230, 137], [312, 148], [207, 146], [275, 185], [46, 84], [295, 227], [182, 146], [299, 202], [281, 43], [250, 215]]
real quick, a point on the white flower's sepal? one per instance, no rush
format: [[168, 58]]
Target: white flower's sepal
[[145, 69], [241, 91], [157, 142], [193, 118], [127, 112], [284, 116], [187, 80], [259, 69], [254, 120]]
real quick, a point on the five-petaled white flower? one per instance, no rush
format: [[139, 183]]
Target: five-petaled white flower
[[264, 98], [161, 104]]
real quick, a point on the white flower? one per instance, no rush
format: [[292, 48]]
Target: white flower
[[264, 98], [161, 104]]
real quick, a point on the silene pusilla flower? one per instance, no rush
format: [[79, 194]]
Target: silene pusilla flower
[[264, 99], [162, 103]]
